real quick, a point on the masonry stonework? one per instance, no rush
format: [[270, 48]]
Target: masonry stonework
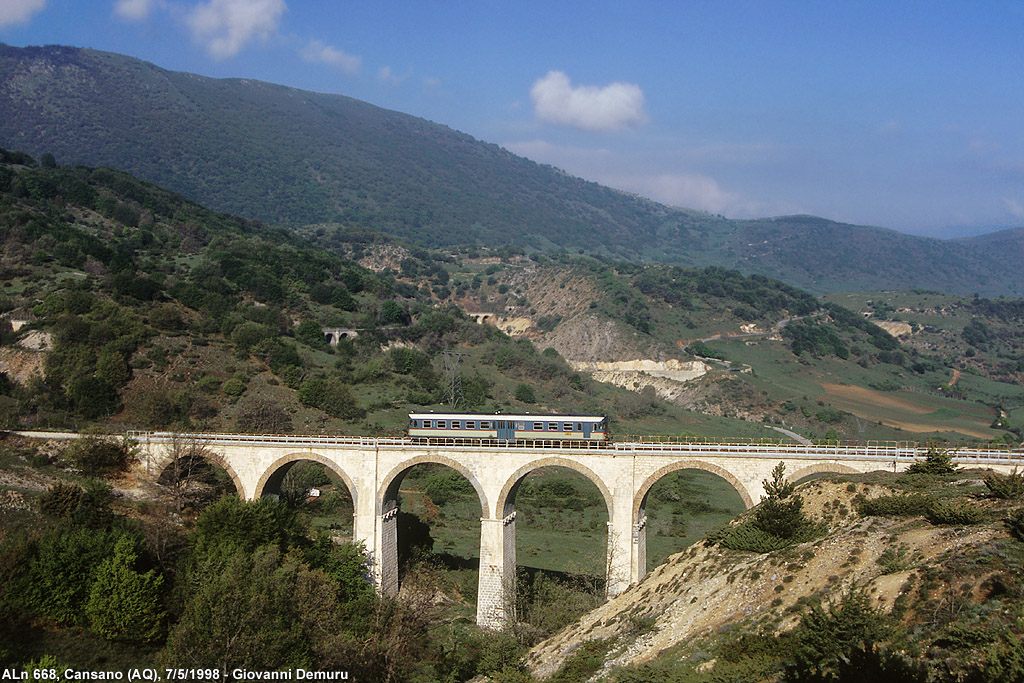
[[622, 472]]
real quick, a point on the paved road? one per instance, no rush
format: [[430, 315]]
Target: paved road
[[793, 435]]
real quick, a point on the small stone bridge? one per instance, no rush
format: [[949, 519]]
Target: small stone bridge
[[373, 468]]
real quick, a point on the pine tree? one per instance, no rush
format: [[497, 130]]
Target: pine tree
[[780, 513]]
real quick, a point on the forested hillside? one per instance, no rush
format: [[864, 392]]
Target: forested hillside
[[127, 305], [290, 157]]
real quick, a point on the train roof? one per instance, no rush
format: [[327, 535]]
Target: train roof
[[504, 416]]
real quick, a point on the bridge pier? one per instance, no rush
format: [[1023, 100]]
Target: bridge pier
[[496, 584], [621, 547], [385, 554], [638, 563]]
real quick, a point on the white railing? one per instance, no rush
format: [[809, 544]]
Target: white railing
[[768, 448]]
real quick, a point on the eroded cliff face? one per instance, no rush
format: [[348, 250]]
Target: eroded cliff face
[[586, 338], [667, 378]]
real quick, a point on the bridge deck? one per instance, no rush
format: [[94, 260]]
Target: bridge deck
[[900, 451]]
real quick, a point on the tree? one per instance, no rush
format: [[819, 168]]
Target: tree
[[936, 461], [781, 512], [263, 416], [251, 609], [186, 467], [331, 396], [525, 393], [827, 641], [123, 603], [311, 334]]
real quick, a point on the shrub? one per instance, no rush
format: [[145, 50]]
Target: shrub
[[60, 500], [749, 538], [893, 560], [331, 396], [233, 387], [953, 512], [1006, 486], [95, 455], [894, 506], [1015, 523]]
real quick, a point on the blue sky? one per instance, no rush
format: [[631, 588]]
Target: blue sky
[[908, 115]]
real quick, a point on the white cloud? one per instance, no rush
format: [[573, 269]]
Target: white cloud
[[224, 27], [1015, 208], [133, 10], [611, 107], [390, 77], [317, 52], [19, 11], [690, 190]]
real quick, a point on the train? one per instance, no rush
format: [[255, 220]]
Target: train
[[523, 428]]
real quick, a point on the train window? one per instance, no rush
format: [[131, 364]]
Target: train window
[[426, 424], [441, 424], [484, 424], [579, 426], [538, 426], [552, 426], [567, 426], [456, 424], [470, 424], [521, 426]]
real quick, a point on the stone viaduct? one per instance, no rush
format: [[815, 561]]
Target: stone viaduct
[[373, 468]]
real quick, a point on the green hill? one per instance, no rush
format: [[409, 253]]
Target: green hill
[[291, 157]]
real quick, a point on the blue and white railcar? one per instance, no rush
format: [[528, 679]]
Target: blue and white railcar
[[588, 428]]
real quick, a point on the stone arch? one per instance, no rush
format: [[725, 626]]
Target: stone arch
[[830, 467], [212, 456], [306, 455], [389, 484], [641, 493], [503, 507]]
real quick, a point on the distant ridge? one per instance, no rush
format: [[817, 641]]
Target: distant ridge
[[293, 158]]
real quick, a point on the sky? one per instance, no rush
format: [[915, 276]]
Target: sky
[[900, 114]]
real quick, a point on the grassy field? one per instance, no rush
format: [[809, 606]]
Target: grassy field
[[905, 406]]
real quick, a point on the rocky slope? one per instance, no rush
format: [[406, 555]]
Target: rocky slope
[[911, 569]]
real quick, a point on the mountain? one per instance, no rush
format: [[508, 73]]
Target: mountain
[[292, 157]]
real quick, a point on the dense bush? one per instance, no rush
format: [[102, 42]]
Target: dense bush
[[99, 455], [525, 394], [1015, 523], [955, 512], [828, 640], [904, 505], [1005, 486], [332, 396]]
